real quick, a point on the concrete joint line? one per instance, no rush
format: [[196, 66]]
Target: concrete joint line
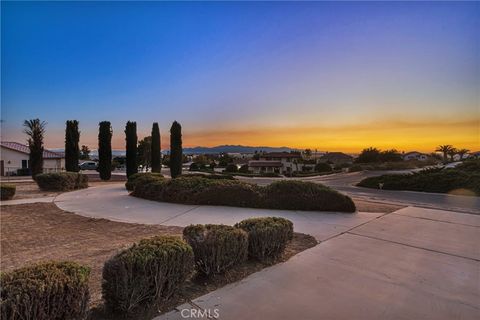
[[430, 219], [178, 215], [412, 246]]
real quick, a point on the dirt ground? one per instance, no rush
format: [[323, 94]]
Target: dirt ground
[[39, 232], [368, 206]]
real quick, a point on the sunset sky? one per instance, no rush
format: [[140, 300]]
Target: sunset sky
[[336, 76]]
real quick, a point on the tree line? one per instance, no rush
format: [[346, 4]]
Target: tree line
[[149, 148]]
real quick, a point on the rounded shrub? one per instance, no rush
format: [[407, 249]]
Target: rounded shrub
[[141, 178], [45, 291], [323, 167], [216, 247], [267, 237], [147, 273], [300, 195], [61, 181], [230, 193], [355, 168], [7, 191]]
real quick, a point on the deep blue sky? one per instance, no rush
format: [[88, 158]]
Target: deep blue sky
[[252, 73]]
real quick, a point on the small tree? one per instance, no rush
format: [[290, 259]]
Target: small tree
[[156, 152], [35, 129], [368, 155], [105, 150], [72, 151], [145, 152], [85, 153], [176, 155], [131, 146]]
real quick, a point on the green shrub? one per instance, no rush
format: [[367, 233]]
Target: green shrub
[[300, 195], [355, 168], [7, 191], [471, 165], [244, 169], [61, 181], [137, 178], [323, 167], [267, 237], [193, 167], [45, 291], [216, 248], [231, 168], [209, 176], [427, 180], [146, 274], [289, 195]]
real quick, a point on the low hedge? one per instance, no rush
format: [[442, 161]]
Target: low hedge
[[45, 291], [440, 181], [308, 196], [217, 248], [209, 176], [144, 177], [146, 274], [200, 190], [7, 191], [61, 181], [267, 237], [289, 195]]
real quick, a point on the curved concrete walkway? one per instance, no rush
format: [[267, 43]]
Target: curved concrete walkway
[[414, 263], [113, 202]]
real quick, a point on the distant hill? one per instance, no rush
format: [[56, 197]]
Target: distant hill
[[234, 149]]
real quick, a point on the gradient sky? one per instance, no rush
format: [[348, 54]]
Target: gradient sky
[[336, 76]]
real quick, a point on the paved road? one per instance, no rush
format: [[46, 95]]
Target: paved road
[[345, 182], [415, 263]]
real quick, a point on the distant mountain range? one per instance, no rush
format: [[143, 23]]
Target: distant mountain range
[[235, 149], [206, 150]]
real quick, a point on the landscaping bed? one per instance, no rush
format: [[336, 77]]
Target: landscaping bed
[[33, 233], [285, 195]]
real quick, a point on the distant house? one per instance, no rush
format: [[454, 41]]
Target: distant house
[[277, 162], [336, 158], [415, 155], [14, 159]]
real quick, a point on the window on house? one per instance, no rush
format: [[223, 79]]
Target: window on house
[[24, 164]]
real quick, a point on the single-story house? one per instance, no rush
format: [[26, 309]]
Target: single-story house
[[14, 157], [415, 155], [265, 166]]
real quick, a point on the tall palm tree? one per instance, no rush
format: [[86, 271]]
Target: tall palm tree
[[452, 152], [462, 152], [445, 149], [35, 129]]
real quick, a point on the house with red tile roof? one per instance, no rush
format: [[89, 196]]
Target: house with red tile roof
[[14, 159]]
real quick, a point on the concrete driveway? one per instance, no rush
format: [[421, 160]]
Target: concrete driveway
[[415, 263]]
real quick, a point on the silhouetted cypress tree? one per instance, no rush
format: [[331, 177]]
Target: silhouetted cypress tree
[[156, 150], [35, 130], [176, 149], [131, 139], [72, 150], [105, 150]]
